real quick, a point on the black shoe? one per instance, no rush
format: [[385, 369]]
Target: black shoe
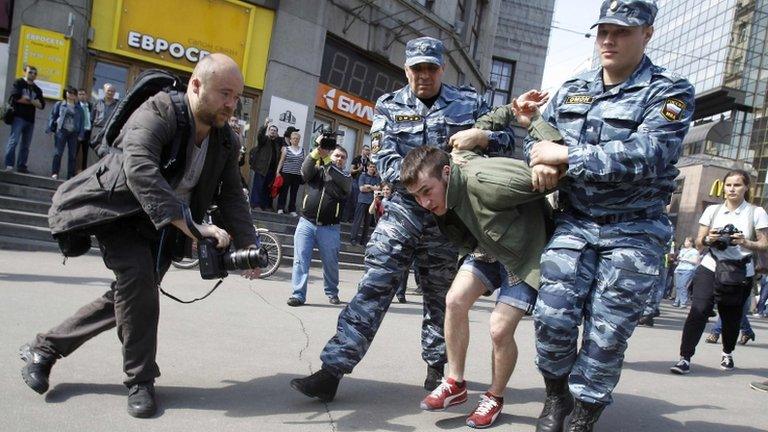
[[321, 384], [656, 313], [726, 362], [401, 299], [646, 320], [141, 400], [585, 416], [682, 367], [746, 338], [557, 405], [22, 170], [293, 301], [434, 377], [334, 300], [35, 372]]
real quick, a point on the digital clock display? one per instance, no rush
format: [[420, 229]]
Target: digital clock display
[[348, 69]]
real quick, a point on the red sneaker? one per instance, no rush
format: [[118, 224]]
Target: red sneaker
[[486, 412], [446, 394]]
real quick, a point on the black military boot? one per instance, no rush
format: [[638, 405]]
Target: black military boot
[[585, 416], [35, 372], [321, 384], [434, 377], [557, 406], [646, 320], [141, 400]]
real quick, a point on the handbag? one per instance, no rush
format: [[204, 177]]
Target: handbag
[[731, 274], [8, 113]]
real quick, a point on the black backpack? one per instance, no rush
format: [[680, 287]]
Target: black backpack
[[147, 84]]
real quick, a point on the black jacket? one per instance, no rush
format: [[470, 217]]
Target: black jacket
[[327, 188], [139, 175], [20, 88]]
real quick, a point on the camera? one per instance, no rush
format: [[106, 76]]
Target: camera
[[723, 239], [377, 194], [215, 263], [328, 141]]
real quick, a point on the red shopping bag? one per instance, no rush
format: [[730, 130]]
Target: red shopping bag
[[274, 190]]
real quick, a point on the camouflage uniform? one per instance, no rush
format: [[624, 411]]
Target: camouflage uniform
[[605, 254], [407, 231]]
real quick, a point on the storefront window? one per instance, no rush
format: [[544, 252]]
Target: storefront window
[[116, 75]]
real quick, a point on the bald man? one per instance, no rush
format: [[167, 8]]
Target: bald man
[[139, 208]]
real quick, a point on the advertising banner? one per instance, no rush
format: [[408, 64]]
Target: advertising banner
[[48, 51]]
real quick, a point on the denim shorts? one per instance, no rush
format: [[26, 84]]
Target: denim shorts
[[494, 276]]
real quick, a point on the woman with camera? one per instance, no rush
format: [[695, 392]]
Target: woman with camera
[[732, 230]]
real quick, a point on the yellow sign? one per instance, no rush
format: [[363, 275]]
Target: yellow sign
[[48, 51], [177, 34], [717, 189]]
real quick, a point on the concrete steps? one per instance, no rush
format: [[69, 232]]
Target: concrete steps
[[25, 200]]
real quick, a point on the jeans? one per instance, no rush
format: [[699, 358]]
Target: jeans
[[762, 303], [21, 132], [327, 239], [682, 281], [746, 328], [69, 140], [362, 221]]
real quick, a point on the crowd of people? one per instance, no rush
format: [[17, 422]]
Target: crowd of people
[[607, 142]]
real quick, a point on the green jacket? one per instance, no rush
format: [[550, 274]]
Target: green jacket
[[491, 204]]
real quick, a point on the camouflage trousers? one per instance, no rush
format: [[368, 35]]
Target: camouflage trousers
[[406, 234], [600, 275]]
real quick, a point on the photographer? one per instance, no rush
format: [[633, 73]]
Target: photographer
[[733, 231], [327, 187], [134, 200]]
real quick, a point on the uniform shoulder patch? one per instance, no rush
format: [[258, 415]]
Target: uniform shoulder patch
[[673, 109], [578, 99], [408, 118]]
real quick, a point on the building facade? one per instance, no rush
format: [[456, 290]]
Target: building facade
[[720, 46], [309, 64]]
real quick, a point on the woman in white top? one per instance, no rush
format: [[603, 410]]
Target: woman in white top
[[752, 222], [290, 168]]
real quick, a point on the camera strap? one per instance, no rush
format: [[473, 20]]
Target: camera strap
[[172, 297], [192, 228]]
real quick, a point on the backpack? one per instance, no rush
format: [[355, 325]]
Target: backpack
[[147, 84]]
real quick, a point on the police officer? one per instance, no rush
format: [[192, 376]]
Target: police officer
[[623, 125], [426, 112]]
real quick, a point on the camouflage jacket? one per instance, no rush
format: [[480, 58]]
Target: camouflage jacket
[[404, 123], [622, 143]]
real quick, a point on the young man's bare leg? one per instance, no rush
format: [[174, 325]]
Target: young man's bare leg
[[504, 321], [465, 290]]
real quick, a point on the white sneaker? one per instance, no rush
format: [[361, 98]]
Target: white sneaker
[[727, 362], [294, 214], [280, 211], [55, 176]]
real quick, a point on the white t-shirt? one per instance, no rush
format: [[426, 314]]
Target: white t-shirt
[[740, 219]]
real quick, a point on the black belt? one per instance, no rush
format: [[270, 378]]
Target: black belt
[[615, 218]]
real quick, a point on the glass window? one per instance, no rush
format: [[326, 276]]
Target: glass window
[[502, 74], [114, 74], [348, 141]]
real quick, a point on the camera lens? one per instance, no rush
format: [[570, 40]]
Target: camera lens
[[245, 259]]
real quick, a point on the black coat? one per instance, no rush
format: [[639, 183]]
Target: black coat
[[130, 180]]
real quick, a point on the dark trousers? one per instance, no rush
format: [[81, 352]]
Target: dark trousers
[[83, 146], [291, 183], [260, 190], [64, 139], [360, 224], [131, 305], [702, 303]]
